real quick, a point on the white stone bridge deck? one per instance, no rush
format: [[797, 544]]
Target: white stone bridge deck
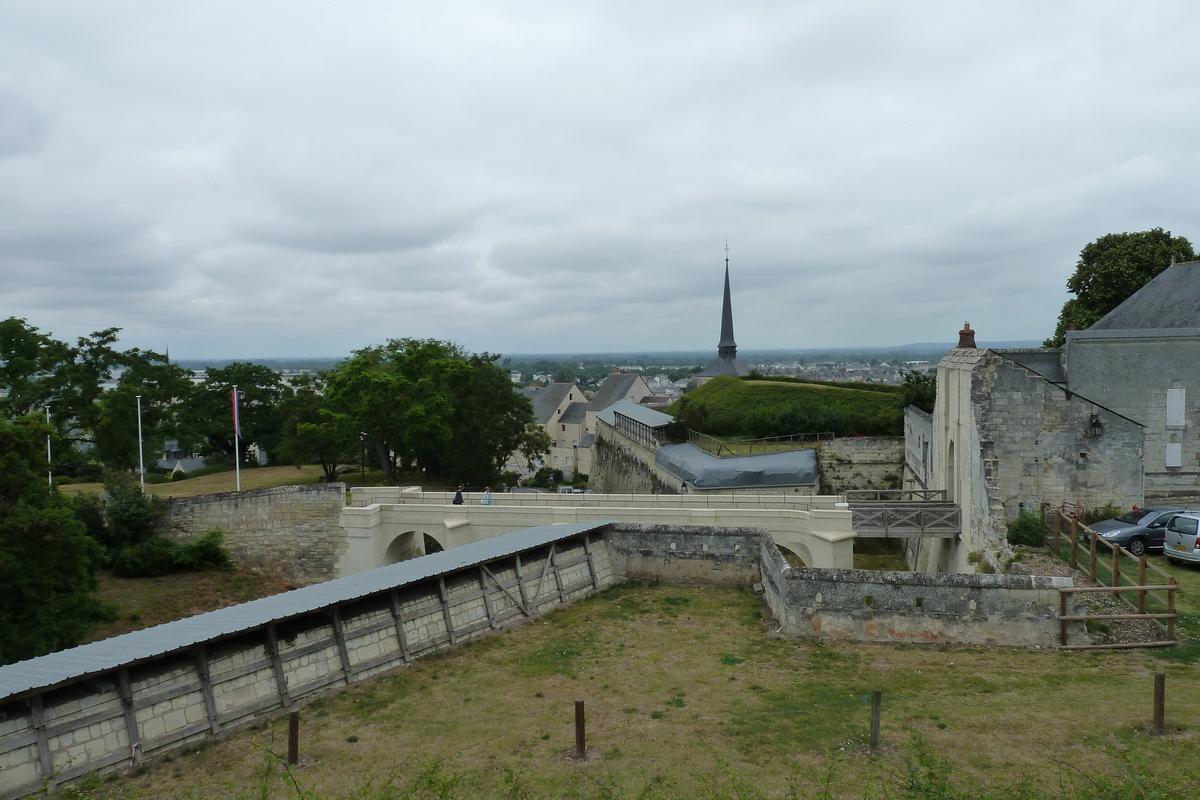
[[388, 524]]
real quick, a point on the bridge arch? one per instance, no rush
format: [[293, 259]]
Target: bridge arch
[[406, 545], [790, 550]]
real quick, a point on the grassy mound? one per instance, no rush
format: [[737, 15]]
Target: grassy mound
[[760, 408]]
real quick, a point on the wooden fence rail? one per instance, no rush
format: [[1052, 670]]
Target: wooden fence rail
[[1069, 527]]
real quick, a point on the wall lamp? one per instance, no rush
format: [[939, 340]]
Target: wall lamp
[[1096, 427]]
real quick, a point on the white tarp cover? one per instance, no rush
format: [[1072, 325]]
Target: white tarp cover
[[701, 470]]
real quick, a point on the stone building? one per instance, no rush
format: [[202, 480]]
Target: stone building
[[1008, 433]]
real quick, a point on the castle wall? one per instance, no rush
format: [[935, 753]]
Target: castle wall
[[290, 531], [861, 462]]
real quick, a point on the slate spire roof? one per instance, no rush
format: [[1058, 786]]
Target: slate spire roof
[[726, 362]]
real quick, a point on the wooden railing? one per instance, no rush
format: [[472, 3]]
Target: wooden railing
[[894, 495], [907, 520], [1107, 568]]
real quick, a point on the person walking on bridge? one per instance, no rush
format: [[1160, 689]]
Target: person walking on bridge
[[458, 501]]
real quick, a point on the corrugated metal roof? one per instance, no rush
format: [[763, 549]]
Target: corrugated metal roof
[[646, 416], [67, 666]]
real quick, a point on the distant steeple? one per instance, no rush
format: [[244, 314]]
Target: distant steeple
[[726, 362], [727, 347]]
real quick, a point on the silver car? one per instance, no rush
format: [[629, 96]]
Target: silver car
[[1183, 539], [1138, 530]]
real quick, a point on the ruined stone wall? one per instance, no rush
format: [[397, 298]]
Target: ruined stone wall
[[873, 606], [861, 462], [291, 531]]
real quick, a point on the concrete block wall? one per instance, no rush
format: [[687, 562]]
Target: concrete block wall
[[861, 462], [872, 606], [102, 722], [289, 531]]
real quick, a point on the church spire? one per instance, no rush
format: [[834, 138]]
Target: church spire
[[727, 347]]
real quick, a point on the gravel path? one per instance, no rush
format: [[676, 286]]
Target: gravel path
[[1121, 631]]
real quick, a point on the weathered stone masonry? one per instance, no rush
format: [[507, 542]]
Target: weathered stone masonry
[[291, 531]]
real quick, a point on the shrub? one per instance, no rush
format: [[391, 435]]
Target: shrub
[[149, 559], [1027, 529], [1106, 511], [159, 556]]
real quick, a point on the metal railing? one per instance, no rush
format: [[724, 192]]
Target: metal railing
[[894, 495], [734, 448]]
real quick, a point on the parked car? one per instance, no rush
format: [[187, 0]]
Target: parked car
[[1183, 538], [1139, 530]]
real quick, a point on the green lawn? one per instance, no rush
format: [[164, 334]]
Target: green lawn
[[689, 694]]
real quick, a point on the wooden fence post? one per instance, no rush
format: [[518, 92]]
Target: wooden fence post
[[1056, 531], [1074, 545], [1160, 702], [580, 734], [1092, 557], [1141, 582], [293, 739], [1171, 609], [1116, 570], [876, 706]]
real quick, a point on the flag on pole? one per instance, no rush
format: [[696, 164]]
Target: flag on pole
[[237, 420]]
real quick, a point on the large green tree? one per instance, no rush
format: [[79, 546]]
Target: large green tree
[[207, 415], [1111, 269], [47, 561]]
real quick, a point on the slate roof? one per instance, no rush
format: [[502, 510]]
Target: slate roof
[[614, 388], [546, 399], [1170, 300], [1046, 362], [575, 414], [628, 408], [725, 366]]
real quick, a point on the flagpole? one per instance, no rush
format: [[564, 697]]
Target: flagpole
[[237, 457], [141, 457]]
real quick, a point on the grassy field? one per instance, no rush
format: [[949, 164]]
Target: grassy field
[[690, 695], [145, 602], [758, 408], [261, 478]]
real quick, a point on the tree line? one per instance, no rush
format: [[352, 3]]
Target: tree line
[[409, 404]]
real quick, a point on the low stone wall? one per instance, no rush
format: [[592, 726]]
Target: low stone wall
[[873, 606], [861, 462], [686, 554], [291, 531], [103, 720]]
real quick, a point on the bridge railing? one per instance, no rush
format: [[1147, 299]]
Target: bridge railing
[[893, 495], [790, 500], [733, 448], [895, 521]]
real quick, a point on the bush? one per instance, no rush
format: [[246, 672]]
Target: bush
[[130, 514], [1027, 529], [1106, 511], [160, 556]]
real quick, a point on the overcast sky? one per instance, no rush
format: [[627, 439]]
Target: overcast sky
[[269, 179]]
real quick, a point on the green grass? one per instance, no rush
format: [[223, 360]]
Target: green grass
[[668, 716], [728, 406]]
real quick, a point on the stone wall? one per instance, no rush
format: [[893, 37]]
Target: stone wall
[[99, 722], [1131, 372], [919, 451], [686, 554], [291, 531], [872, 606], [861, 462], [620, 464]]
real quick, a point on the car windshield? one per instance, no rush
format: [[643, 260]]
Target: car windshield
[[1133, 516]]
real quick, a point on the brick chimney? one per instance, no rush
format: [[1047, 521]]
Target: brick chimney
[[966, 337]]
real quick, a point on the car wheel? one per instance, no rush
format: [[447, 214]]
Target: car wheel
[[1137, 547]]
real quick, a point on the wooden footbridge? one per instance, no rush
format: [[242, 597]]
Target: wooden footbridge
[[903, 513]]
